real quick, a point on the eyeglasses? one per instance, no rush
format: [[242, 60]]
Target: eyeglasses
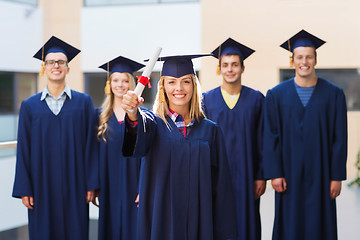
[[51, 63]]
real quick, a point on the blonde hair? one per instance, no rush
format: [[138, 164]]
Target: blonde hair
[[161, 104], [107, 108]]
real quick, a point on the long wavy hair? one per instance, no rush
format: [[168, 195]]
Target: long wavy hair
[[107, 108], [161, 104]]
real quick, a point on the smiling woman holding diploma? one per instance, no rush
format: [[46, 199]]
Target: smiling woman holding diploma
[[185, 189]]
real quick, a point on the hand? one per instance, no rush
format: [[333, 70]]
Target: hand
[[335, 189], [130, 104], [137, 200], [259, 188], [90, 196], [28, 202], [96, 203], [279, 184]]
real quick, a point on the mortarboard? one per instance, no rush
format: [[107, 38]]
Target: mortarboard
[[55, 44], [179, 65], [122, 65], [230, 46], [301, 39]]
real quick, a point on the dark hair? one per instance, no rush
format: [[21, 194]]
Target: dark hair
[[231, 54]]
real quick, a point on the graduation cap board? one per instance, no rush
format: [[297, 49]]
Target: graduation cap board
[[179, 65], [54, 45], [301, 39], [122, 65], [230, 46]]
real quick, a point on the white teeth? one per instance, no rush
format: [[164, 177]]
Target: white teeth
[[179, 96]]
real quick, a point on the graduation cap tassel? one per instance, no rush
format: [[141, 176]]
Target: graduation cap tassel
[[42, 70], [161, 94], [218, 71], [291, 58], [42, 64], [107, 89]]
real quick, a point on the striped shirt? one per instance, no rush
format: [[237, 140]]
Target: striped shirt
[[180, 123], [54, 104], [304, 93], [175, 117]]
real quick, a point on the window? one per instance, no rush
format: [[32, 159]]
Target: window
[[6, 92], [30, 2], [14, 88], [347, 79], [91, 3]]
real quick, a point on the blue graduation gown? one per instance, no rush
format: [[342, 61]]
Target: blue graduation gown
[[243, 130], [118, 186], [185, 189], [308, 147], [57, 164]]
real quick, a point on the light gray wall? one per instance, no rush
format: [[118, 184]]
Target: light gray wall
[[21, 36], [135, 31]]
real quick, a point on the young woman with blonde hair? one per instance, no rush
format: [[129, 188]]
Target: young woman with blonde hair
[[118, 175], [185, 189]]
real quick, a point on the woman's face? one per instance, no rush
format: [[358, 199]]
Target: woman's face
[[120, 84], [179, 91]]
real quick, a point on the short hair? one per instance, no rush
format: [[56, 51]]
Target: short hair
[[315, 53], [232, 54]]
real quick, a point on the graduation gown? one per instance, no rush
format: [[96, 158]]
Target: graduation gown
[[185, 189], [118, 186], [56, 164], [243, 131], [308, 147]]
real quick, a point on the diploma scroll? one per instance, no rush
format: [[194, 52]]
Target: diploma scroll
[[144, 79]]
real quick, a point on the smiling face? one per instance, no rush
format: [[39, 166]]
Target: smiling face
[[120, 84], [179, 92], [56, 72], [304, 61], [231, 68]]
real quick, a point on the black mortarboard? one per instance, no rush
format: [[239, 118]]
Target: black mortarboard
[[179, 65], [55, 44], [230, 46], [122, 64], [302, 39]]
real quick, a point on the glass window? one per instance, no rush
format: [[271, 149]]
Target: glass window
[[14, 88], [347, 79], [127, 2], [31, 2], [6, 93]]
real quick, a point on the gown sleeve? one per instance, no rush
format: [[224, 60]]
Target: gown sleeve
[[339, 144], [258, 157], [137, 140], [91, 153], [23, 182], [272, 145]]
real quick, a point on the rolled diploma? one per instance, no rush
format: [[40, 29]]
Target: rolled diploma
[[147, 72]]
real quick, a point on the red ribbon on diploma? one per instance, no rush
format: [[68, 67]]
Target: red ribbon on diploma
[[144, 80]]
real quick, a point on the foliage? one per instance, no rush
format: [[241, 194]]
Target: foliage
[[357, 180]]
